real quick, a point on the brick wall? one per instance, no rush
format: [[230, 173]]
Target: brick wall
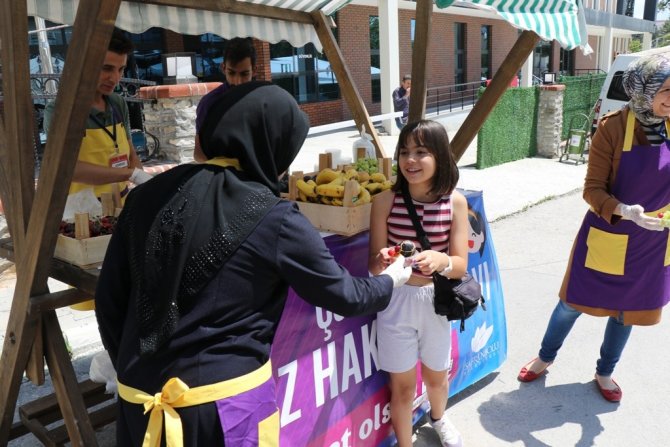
[[590, 61], [323, 112], [504, 37], [263, 72], [353, 30], [174, 42]]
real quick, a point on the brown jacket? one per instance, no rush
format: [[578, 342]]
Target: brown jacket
[[604, 158]]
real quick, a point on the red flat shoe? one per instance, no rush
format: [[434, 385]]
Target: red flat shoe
[[610, 395], [526, 375]]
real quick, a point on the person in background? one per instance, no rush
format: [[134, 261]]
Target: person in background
[[409, 330], [238, 67], [107, 155], [179, 302], [619, 265], [401, 100]]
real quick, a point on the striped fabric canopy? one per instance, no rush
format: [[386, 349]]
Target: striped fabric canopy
[[138, 17], [560, 20]]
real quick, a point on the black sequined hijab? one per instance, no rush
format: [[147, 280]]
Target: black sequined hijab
[[187, 222]]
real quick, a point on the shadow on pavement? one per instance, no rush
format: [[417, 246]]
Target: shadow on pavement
[[518, 415]]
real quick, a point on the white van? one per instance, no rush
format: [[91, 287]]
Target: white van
[[612, 96]]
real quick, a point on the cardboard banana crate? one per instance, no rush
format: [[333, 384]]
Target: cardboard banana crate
[[86, 252], [344, 220]]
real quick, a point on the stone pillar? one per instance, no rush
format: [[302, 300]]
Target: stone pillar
[[549, 120], [170, 116]]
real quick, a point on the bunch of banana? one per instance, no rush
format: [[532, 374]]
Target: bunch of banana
[[378, 183], [329, 186]]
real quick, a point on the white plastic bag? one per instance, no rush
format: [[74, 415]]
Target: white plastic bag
[[83, 201], [365, 142], [102, 371]]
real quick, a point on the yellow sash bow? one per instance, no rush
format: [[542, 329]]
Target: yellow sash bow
[[176, 394]]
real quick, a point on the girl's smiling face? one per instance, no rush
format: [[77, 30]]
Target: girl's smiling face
[[661, 102], [416, 163]]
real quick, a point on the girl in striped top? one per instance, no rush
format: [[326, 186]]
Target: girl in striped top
[[409, 330]]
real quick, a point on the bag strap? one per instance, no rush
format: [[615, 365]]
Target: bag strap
[[411, 210]]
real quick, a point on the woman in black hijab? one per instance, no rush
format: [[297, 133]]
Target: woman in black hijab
[[196, 276]]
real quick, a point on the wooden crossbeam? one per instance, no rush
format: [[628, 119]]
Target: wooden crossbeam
[[92, 29], [18, 159], [345, 80], [523, 48], [243, 8], [422, 30]]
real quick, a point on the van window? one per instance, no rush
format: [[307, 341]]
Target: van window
[[616, 91]]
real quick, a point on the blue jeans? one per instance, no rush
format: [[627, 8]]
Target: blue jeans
[[560, 324]]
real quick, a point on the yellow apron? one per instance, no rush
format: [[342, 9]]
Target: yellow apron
[[97, 148]]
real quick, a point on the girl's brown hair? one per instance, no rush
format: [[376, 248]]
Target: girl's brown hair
[[433, 136]]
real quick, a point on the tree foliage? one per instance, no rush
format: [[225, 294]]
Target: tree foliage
[[635, 45]]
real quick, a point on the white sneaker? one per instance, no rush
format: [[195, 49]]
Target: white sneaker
[[449, 436]]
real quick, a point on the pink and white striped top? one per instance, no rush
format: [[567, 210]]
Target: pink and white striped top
[[435, 218]]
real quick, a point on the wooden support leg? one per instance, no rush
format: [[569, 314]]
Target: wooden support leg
[[71, 402], [13, 360]]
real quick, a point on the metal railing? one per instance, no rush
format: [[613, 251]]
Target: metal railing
[[584, 71], [45, 86], [447, 98]]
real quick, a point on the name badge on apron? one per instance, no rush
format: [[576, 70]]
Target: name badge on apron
[[118, 161]]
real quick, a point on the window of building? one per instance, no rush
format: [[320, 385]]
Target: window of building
[[375, 62], [412, 28], [208, 49], [303, 72], [148, 55], [459, 63], [541, 58], [567, 62], [486, 50]]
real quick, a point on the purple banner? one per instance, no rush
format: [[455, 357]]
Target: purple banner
[[329, 390]]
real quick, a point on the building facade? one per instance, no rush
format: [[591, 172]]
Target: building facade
[[461, 51]]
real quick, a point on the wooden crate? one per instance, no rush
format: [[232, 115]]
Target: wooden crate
[[82, 252], [344, 220]]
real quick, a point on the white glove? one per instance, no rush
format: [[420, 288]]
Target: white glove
[[139, 176], [398, 272], [636, 214]]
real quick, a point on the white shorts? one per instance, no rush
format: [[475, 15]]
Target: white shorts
[[409, 330]]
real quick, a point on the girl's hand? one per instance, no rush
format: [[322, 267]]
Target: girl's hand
[[428, 261], [386, 256]]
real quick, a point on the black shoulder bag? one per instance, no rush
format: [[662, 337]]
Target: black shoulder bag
[[457, 299]]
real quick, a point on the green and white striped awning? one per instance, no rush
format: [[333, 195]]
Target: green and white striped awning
[[559, 20], [138, 17]]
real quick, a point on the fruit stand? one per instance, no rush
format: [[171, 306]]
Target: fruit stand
[[33, 213]]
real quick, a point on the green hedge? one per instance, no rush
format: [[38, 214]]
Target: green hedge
[[510, 130], [580, 95]]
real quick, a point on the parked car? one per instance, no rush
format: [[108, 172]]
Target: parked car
[[612, 95]]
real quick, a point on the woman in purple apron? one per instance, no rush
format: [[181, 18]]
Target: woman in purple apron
[[619, 266]]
